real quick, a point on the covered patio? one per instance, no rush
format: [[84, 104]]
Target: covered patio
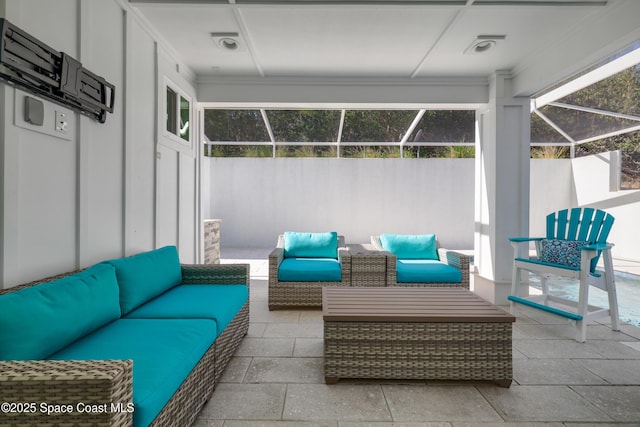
[[276, 377], [139, 181]]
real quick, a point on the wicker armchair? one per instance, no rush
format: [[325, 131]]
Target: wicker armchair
[[287, 295], [455, 259]]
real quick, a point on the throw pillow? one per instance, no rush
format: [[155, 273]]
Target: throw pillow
[[562, 252]]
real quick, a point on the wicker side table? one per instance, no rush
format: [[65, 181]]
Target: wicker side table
[[368, 265], [415, 333]]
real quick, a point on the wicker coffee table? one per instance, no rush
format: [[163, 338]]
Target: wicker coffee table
[[415, 333]]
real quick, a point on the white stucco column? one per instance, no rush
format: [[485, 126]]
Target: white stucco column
[[502, 186]]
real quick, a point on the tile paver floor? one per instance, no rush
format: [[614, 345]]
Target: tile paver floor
[[276, 378]]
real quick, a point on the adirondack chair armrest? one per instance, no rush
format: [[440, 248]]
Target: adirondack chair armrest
[[525, 239], [517, 243], [597, 247]]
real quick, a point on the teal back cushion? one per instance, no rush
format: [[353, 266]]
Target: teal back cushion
[[411, 246], [310, 245], [37, 321], [146, 275]]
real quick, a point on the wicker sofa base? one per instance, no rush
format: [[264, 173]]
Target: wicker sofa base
[[185, 405], [195, 391], [66, 392], [414, 350], [227, 343]]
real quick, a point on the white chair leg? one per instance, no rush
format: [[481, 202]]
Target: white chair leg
[[583, 308], [515, 288], [581, 330], [544, 287], [613, 306], [610, 283]]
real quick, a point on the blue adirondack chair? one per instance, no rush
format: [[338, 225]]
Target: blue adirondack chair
[[574, 243]]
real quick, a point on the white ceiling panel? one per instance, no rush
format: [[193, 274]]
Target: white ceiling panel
[[188, 29], [527, 31], [342, 41], [405, 39]]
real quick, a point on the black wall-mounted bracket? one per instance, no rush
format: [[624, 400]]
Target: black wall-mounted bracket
[[30, 64]]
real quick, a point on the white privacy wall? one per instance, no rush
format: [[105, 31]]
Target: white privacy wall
[[101, 190], [257, 199], [550, 191], [594, 185]]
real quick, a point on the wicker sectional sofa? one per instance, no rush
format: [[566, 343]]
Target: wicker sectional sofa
[[135, 341]]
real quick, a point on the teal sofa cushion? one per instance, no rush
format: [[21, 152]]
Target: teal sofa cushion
[[40, 320], [218, 302], [411, 246], [310, 270], [426, 271], [164, 352], [146, 275], [310, 245]]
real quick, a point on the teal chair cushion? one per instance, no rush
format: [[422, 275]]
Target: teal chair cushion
[[310, 270], [217, 302], [310, 245], [426, 271], [411, 246], [164, 352], [146, 275], [40, 320]]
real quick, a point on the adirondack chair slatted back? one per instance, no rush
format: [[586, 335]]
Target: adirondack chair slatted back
[[588, 224]]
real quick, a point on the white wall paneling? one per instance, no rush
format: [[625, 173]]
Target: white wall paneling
[[140, 147], [68, 203]]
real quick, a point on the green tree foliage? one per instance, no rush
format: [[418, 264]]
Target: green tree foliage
[[376, 125], [319, 128], [445, 126], [629, 146], [234, 125], [316, 131], [619, 93], [304, 125]]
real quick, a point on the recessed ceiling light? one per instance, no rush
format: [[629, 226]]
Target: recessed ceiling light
[[483, 44], [229, 41]]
